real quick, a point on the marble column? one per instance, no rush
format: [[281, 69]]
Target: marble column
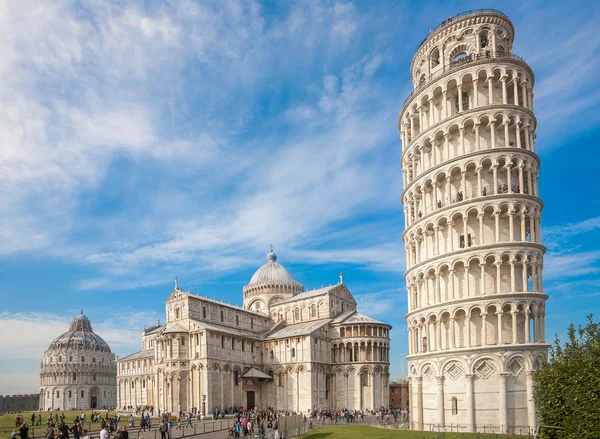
[[440, 401]]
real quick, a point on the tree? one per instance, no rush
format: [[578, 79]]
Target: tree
[[567, 388]]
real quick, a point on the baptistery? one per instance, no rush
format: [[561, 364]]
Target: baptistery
[[78, 370]]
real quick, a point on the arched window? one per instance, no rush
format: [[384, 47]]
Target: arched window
[[279, 379], [237, 320], [182, 341], [435, 57], [83, 359], [74, 377], [177, 315], [222, 316], [71, 359], [57, 394], [143, 385], [69, 394], [93, 359], [293, 352], [59, 358], [364, 378], [297, 314], [94, 377], [465, 101], [132, 385], [236, 378], [454, 406], [271, 355], [342, 306], [82, 393], [313, 310], [203, 312]]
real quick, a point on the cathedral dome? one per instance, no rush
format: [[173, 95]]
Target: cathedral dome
[[272, 273], [80, 336]]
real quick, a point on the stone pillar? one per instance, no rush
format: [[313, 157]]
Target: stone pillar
[[468, 330], [525, 277], [483, 330], [499, 314], [444, 104], [431, 113], [531, 414], [527, 324], [420, 402], [482, 279], [440, 401], [502, 412], [498, 277], [469, 401], [504, 93], [513, 288], [514, 326]]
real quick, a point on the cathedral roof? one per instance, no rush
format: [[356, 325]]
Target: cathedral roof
[[80, 336], [297, 329], [356, 318], [308, 294], [272, 273], [146, 353]]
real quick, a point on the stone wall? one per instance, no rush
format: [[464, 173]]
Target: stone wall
[[17, 403]]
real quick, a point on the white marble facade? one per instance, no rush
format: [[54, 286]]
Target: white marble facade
[[472, 235], [78, 370], [285, 348]]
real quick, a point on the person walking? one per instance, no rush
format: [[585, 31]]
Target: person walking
[[24, 430], [104, 434], [163, 429], [49, 431]]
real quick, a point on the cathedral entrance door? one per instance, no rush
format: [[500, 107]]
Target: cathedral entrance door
[[250, 400]]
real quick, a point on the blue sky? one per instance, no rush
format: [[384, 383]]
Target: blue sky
[[148, 141]]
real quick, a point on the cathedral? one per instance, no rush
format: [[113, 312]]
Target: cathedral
[[286, 348]]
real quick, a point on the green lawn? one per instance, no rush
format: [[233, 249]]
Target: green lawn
[[380, 433]]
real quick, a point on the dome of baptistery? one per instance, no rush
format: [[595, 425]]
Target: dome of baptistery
[[269, 284], [78, 370], [80, 336]]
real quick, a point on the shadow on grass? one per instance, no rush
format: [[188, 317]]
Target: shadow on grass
[[318, 435]]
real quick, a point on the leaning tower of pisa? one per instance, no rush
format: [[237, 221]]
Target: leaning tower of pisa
[[472, 210]]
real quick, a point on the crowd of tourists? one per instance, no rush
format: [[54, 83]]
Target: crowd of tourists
[[246, 422]]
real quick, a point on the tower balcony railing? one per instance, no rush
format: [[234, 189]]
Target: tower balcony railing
[[470, 195], [454, 18], [471, 58]]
